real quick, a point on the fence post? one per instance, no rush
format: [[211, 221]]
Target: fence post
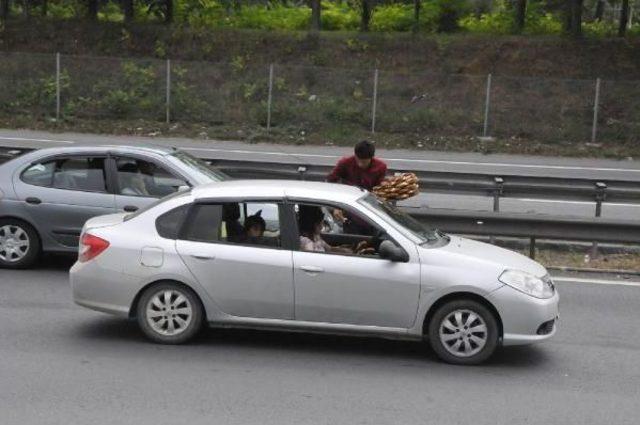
[[487, 104], [269, 97], [375, 101], [168, 92], [57, 86], [596, 107]]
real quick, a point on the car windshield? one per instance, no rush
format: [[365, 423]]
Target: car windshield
[[199, 166], [401, 219]]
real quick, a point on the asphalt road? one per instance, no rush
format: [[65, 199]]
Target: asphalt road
[[61, 364], [604, 169]]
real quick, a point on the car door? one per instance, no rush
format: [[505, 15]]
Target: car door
[[247, 276], [61, 193], [140, 181], [356, 289]]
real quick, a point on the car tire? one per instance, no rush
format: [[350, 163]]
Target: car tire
[[14, 236], [175, 321], [463, 332]]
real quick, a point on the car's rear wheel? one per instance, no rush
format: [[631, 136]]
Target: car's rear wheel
[[19, 244], [463, 332], [169, 313]]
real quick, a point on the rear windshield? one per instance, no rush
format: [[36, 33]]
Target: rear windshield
[[142, 210]]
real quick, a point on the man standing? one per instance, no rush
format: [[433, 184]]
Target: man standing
[[362, 169]]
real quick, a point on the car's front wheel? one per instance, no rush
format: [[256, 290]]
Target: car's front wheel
[[169, 313], [19, 244], [463, 332]]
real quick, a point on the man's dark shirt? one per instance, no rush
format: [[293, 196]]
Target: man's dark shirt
[[347, 172]]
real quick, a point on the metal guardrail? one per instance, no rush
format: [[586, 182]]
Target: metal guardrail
[[481, 223], [495, 186], [531, 226]]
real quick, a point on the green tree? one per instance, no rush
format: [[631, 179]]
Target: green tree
[[598, 15], [520, 15], [315, 15], [92, 10], [573, 17], [127, 10], [624, 18], [4, 10], [365, 17]]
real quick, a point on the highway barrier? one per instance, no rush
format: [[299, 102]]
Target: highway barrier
[[480, 223]]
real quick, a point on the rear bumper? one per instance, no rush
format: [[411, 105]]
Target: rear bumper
[[101, 289], [525, 318]]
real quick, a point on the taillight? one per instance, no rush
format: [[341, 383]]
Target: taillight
[[90, 247]]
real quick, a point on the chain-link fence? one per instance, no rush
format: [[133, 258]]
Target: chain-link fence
[[323, 100]]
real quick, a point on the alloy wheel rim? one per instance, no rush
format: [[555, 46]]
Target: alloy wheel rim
[[14, 243], [169, 312], [463, 333]]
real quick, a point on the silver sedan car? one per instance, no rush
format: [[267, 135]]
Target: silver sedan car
[[47, 195], [259, 254]]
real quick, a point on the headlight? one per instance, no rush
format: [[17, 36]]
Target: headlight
[[527, 283]]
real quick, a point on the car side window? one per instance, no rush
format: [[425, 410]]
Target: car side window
[[80, 173], [40, 174], [326, 229], [242, 223], [168, 224], [137, 177], [73, 173]]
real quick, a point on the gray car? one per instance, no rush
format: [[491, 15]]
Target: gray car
[[47, 195], [259, 254]]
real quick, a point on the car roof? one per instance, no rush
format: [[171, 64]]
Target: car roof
[[295, 189], [79, 149]]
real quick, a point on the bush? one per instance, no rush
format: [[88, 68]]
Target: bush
[[502, 21], [436, 15], [393, 17], [277, 17], [339, 16], [599, 29]]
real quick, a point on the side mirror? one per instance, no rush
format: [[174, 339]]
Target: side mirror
[[390, 251], [183, 187]]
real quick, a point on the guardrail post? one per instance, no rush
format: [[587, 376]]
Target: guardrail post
[[375, 101], [168, 93], [532, 248], [601, 194], [596, 107], [487, 104], [57, 86], [497, 192], [302, 172], [269, 97]]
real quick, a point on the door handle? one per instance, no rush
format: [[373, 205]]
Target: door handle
[[33, 201], [130, 208], [204, 257], [312, 269]]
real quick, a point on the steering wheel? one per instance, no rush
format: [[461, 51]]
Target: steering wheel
[[378, 237]]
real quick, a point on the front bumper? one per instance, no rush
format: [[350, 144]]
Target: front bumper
[[525, 319]]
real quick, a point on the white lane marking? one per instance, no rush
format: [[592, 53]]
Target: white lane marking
[[26, 139], [422, 161], [595, 281], [559, 201]]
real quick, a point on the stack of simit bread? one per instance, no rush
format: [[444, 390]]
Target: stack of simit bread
[[398, 187]]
